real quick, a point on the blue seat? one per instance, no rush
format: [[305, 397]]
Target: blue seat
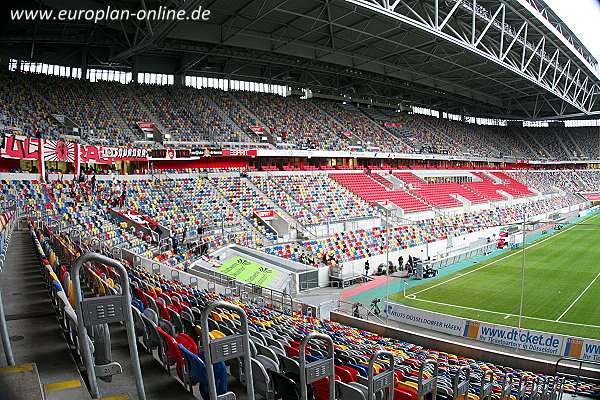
[[197, 371], [137, 303]]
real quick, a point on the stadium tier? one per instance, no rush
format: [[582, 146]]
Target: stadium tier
[[111, 113]]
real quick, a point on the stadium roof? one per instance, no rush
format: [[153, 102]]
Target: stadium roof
[[499, 59]]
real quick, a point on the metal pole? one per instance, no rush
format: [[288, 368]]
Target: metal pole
[[10, 360], [387, 261], [522, 272]]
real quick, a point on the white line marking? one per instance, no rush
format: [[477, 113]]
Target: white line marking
[[494, 262], [578, 297], [511, 315], [507, 316]]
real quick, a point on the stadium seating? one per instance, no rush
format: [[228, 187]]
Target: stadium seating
[[371, 191], [324, 197], [23, 108], [361, 243], [284, 200], [80, 102], [168, 326], [245, 199], [590, 179], [108, 113], [287, 120], [362, 127]]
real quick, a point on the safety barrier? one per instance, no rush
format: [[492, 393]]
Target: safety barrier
[[544, 389], [460, 387], [487, 384], [429, 385]]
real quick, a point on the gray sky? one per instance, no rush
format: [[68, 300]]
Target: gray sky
[[583, 18]]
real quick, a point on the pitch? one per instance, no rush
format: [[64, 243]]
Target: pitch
[[561, 291]]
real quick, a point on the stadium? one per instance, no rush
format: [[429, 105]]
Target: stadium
[[299, 199]]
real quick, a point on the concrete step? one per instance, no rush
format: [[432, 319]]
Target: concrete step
[[20, 382]]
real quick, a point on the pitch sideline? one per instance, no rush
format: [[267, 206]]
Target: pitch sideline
[[493, 262]]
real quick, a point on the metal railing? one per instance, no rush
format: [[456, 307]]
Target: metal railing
[[5, 237], [462, 256], [578, 377]]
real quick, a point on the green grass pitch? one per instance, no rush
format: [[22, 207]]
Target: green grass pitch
[[562, 286]]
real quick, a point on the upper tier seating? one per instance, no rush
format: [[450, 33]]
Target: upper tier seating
[[128, 106], [23, 108], [108, 112], [82, 103], [363, 127], [288, 121]]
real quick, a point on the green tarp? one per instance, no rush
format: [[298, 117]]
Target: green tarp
[[248, 271]]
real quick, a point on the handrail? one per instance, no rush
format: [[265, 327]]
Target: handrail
[[6, 235], [579, 369], [429, 385], [485, 391], [127, 318], [10, 359], [319, 369], [460, 389], [232, 346], [384, 379], [507, 386]]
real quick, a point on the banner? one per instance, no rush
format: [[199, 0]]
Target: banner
[[519, 339], [584, 349], [265, 214], [393, 124], [257, 129], [239, 152], [146, 126], [107, 155], [413, 316], [507, 336], [59, 151], [28, 148], [21, 147]]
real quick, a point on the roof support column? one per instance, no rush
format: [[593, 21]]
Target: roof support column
[[84, 64], [135, 70]]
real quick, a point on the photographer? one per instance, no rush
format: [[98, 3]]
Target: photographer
[[375, 307]]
